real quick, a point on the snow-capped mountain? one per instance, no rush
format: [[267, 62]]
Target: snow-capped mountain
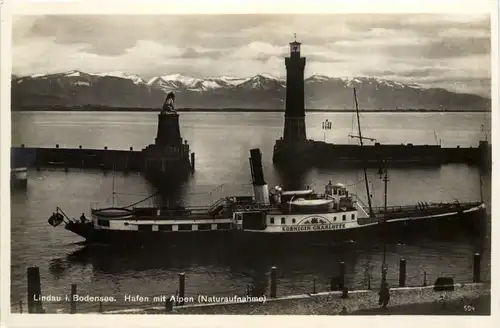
[[266, 91], [135, 78]]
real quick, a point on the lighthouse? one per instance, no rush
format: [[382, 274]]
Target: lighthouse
[[293, 148], [295, 127]]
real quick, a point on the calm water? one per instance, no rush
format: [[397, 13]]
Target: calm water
[[221, 143]]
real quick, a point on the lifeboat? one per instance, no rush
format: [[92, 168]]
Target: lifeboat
[[310, 202], [293, 193]]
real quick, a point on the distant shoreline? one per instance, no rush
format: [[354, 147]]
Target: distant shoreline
[[236, 110]]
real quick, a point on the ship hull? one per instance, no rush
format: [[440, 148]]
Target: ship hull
[[134, 239], [473, 222]]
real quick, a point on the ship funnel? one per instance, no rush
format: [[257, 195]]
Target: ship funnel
[[260, 189]]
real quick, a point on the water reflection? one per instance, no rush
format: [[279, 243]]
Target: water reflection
[[293, 177], [296, 269]]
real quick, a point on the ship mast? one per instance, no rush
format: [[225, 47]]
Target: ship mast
[[113, 181], [364, 166]]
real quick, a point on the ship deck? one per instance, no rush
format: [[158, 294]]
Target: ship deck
[[278, 211], [401, 212]]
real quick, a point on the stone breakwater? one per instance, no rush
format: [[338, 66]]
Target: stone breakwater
[[331, 303]]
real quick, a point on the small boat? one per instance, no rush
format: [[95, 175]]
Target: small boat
[[301, 202], [19, 177], [293, 193]]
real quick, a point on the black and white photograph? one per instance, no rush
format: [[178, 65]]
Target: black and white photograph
[[251, 163]]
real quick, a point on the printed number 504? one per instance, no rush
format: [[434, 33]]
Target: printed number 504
[[469, 308]]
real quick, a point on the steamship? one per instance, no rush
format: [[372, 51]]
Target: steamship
[[274, 215], [271, 215]]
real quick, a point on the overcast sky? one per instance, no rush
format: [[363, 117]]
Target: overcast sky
[[448, 51]]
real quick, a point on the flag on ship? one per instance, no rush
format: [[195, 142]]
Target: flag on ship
[[56, 219]]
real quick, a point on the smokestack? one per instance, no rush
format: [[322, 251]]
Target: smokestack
[[260, 189]]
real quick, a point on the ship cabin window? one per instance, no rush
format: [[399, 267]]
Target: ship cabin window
[[334, 218], [282, 220], [204, 226], [185, 227], [271, 220], [254, 221], [223, 226], [343, 217], [293, 220], [103, 223], [145, 227], [165, 227], [353, 216], [334, 191]]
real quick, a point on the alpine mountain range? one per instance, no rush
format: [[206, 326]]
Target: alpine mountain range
[[262, 91]]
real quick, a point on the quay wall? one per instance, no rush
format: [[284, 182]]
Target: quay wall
[[77, 158], [321, 153], [269, 302], [331, 303]]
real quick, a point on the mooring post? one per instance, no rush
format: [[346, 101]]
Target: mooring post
[[342, 275], [182, 287], [73, 300], [20, 306], [477, 268], [402, 273], [100, 306], [273, 282], [345, 292], [314, 286], [192, 162], [34, 290], [169, 305], [425, 278]]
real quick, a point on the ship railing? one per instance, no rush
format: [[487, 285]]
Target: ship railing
[[254, 207], [422, 206], [198, 209], [216, 205]]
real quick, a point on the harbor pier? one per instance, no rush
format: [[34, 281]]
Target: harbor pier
[[164, 161], [294, 147], [321, 154]]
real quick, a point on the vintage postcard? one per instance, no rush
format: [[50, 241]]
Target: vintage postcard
[[320, 164]]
